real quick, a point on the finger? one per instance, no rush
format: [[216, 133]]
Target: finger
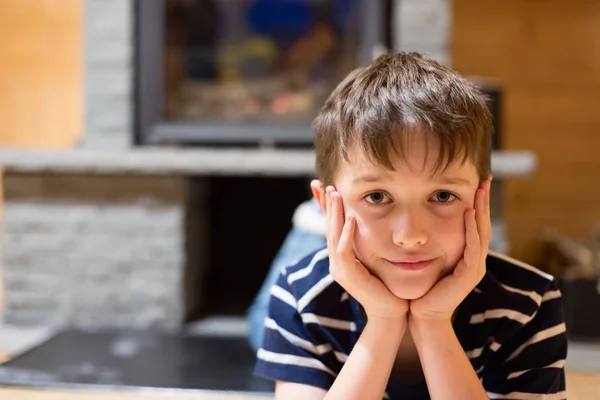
[[350, 274], [488, 218], [337, 221], [328, 216], [316, 184], [472, 246], [485, 242], [481, 215], [485, 245], [345, 245], [489, 197], [488, 190], [488, 201], [341, 207]]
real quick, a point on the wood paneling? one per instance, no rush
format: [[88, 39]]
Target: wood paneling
[[41, 58], [41, 75], [2, 355], [546, 54]]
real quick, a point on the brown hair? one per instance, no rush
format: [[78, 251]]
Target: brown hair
[[376, 105]]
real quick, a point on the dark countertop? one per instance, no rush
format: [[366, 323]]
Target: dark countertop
[[137, 361]]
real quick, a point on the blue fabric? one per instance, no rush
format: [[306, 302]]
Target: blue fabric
[[297, 244]]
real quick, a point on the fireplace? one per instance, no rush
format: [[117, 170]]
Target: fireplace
[[246, 72], [242, 73], [157, 234]]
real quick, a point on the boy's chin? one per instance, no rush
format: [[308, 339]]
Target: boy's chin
[[411, 292]]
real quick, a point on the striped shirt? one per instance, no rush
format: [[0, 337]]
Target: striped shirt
[[511, 327]]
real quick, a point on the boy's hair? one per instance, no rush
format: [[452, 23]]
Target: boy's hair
[[377, 105]]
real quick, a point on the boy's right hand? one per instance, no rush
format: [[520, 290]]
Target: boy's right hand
[[351, 274]]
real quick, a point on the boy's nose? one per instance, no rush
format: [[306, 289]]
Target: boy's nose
[[410, 231]]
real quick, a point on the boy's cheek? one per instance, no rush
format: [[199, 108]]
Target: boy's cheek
[[365, 226], [457, 230], [363, 235], [452, 232], [362, 229], [456, 248]]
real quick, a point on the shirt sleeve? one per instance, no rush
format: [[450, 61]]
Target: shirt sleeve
[[288, 351], [534, 366]]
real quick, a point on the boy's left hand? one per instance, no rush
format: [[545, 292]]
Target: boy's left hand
[[441, 301]]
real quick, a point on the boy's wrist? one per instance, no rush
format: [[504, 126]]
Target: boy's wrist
[[388, 324], [426, 329]]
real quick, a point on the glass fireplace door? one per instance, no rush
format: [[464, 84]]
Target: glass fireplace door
[[245, 71]]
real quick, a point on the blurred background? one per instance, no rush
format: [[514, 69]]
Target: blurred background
[[155, 151]]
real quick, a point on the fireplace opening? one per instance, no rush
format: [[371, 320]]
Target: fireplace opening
[[236, 225]]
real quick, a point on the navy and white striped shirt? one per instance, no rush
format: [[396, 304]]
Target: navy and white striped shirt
[[511, 327]]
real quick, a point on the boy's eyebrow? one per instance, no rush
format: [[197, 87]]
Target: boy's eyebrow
[[446, 180], [367, 178], [453, 180]]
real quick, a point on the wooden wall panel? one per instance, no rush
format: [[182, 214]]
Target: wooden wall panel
[[41, 76], [547, 56], [41, 59]]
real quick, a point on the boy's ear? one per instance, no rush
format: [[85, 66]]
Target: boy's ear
[[318, 191]]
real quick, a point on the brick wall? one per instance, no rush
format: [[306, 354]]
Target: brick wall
[[109, 51], [93, 250], [423, 26]]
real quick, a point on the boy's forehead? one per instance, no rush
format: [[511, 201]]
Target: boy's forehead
[[360, 168]]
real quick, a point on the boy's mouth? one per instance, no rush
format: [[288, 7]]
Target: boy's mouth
[[412, 263]]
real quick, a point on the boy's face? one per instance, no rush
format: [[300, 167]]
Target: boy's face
[[410, 228]]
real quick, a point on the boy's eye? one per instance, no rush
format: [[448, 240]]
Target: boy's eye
[[376, 198], [443, 197]]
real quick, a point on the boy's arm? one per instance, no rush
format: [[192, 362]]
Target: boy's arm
[[366, 371], [532, 370], [447, 369]]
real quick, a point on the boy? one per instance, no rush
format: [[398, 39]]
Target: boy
[[405, 302]]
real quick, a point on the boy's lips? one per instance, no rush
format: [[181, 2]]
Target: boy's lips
[[412, 263]]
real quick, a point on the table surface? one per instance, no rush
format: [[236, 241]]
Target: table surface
[[579, 387]]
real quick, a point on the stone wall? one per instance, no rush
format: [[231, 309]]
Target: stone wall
[[109, 55], [94, 250], [423, 26]]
